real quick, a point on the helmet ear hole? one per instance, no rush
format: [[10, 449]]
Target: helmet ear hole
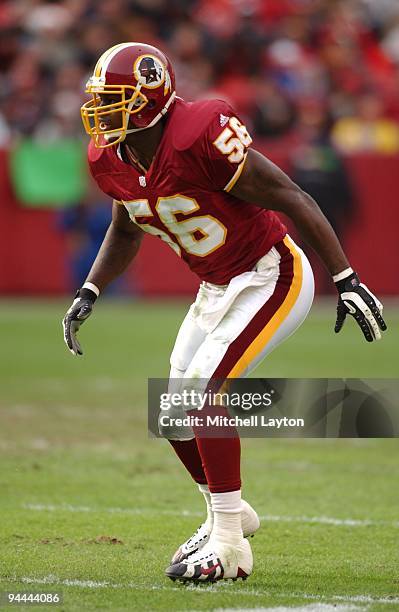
[[151, 104]]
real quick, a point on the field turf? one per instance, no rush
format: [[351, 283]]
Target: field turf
[[91, 507]]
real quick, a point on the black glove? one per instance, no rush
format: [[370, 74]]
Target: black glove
[[357, 300], [80, 310]]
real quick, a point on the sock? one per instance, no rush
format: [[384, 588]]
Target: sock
[[220, 455], [188, 453], [226, 518], [204, 489]]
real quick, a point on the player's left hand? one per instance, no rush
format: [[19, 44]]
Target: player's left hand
[[357, 300]]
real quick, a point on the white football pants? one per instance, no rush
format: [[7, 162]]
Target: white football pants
[[230, 329]]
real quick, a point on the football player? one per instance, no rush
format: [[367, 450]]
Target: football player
[[186, 173]]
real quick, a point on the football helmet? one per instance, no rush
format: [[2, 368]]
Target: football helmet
[[139, 81]]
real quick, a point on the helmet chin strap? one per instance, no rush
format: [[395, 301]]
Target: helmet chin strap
[[151, 124], [156, 118]]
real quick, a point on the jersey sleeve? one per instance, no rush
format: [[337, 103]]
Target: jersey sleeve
[[221, 150]]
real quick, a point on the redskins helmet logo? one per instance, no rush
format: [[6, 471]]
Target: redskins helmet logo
[[149, 71]]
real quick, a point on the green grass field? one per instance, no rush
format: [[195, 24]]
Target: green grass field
[[93, 508]]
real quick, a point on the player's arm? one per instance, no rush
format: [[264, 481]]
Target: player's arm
[[119, 247], [263, 183]]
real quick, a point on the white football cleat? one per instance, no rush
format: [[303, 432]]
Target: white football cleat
[[249, 522], [216, 561]]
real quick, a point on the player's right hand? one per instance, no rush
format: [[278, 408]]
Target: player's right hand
[[77, 314]]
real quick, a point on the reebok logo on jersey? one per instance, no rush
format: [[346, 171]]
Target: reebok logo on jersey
[[223, 119], [142, 181]]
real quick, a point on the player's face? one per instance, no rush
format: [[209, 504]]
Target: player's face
[[112, 120]]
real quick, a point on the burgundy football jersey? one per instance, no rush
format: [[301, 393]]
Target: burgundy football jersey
[[184, 198]]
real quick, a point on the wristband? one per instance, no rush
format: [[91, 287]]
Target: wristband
[[340, 276], [92, 287], [86, 294]]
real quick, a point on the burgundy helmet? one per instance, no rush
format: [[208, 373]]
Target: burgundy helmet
[[141, 79]]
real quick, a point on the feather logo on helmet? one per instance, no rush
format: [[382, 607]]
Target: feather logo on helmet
[[149, 71]]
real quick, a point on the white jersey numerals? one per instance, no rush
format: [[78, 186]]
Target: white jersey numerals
[[198, 236], [233, 141], [141, 208]]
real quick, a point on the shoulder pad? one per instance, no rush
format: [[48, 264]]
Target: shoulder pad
[[192, 119]]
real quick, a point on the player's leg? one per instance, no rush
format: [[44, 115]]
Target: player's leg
[[183, 440], [277, 318], [260, 318], [188, 340]]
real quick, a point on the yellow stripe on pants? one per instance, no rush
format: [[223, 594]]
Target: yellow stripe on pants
[[260, 342]]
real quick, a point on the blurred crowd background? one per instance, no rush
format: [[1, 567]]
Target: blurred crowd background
[[314, 80], [277, 61]]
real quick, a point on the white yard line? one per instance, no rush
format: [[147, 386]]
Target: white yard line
[[327, 520], [219, 587], [319, 520], [364, 599], [318, 607]]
